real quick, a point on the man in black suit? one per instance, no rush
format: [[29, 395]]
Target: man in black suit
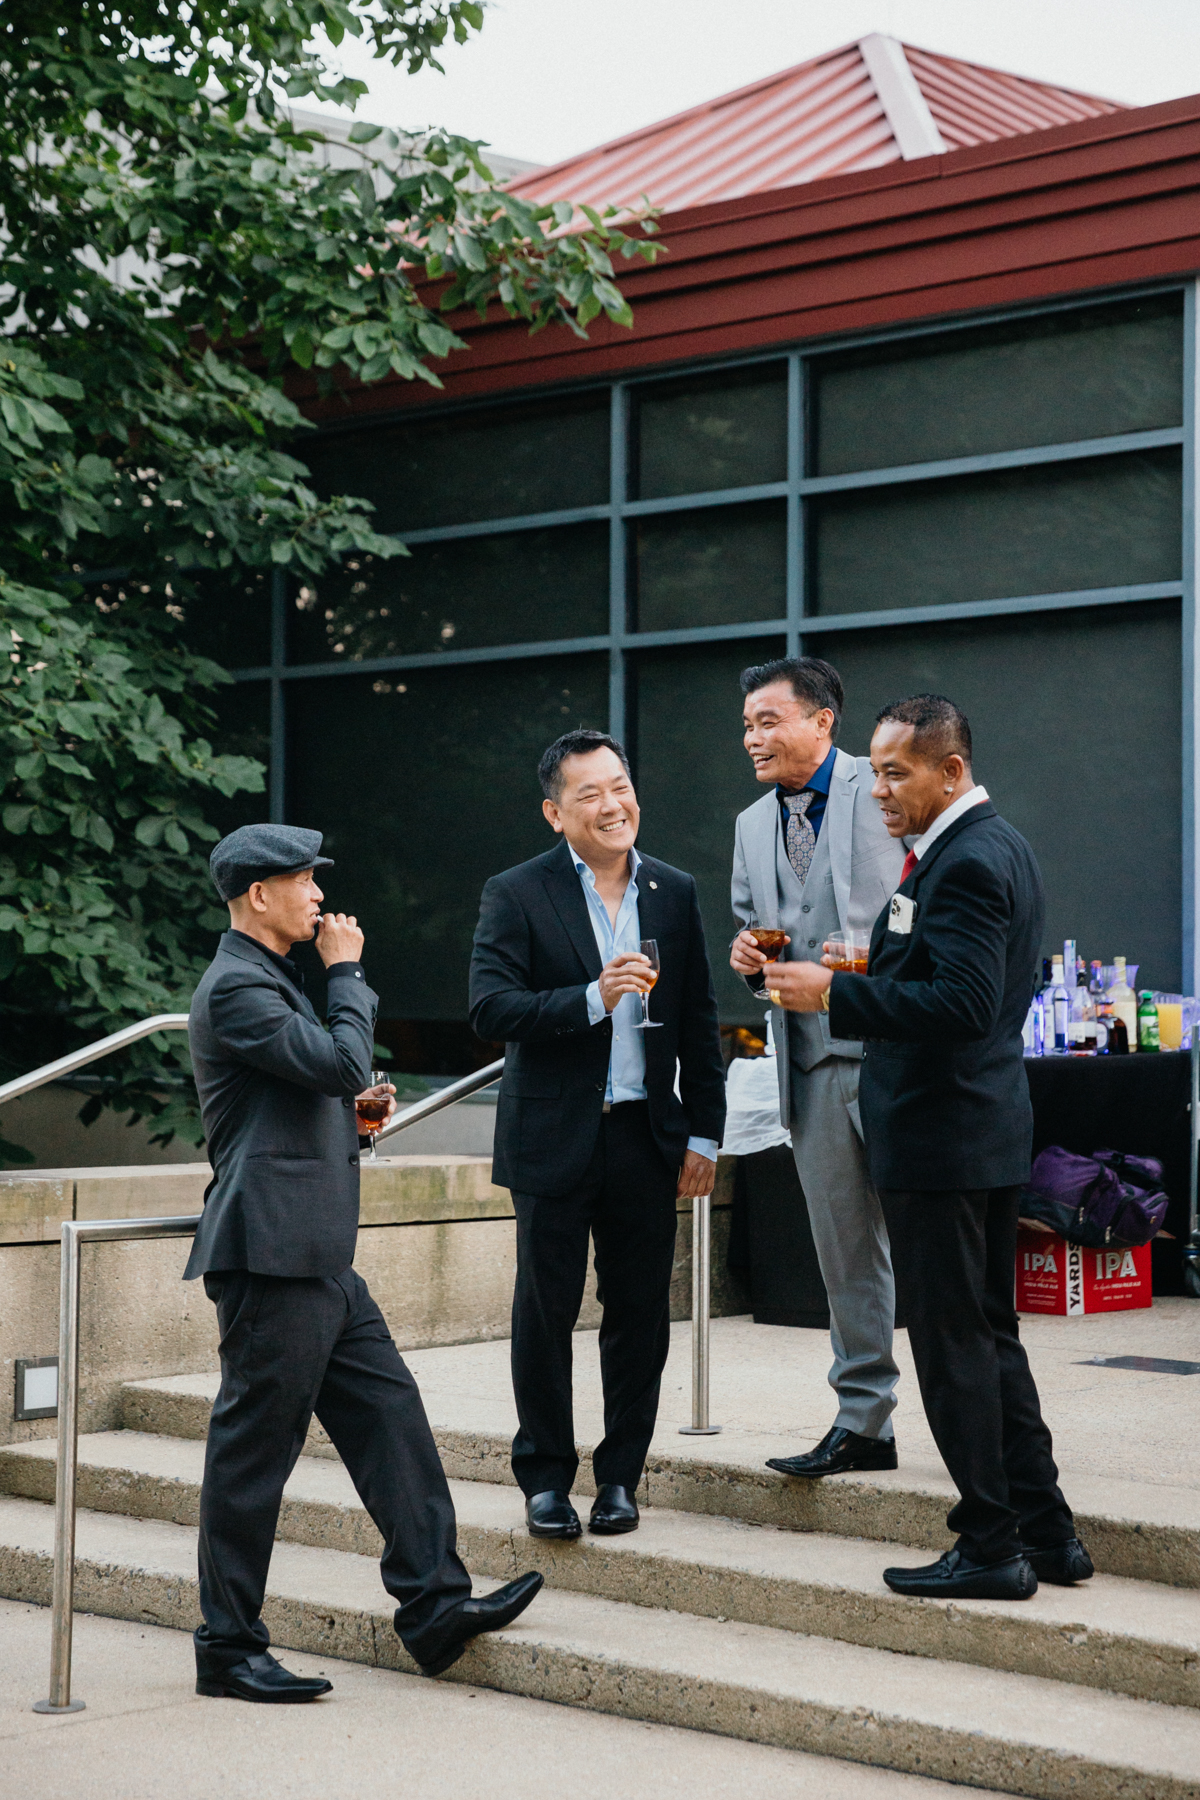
[[949, 1129], [299, 1331], [591, 1136]]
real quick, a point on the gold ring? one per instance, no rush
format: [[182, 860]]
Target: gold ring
[[774, 996]]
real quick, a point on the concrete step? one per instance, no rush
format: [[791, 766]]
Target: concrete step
[[954, 1722], [1130, 1637], [1133, 1529]]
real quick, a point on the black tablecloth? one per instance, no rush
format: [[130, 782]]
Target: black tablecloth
[[1136, 1103]]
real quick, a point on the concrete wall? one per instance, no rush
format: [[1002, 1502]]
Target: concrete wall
[[436, 1245]]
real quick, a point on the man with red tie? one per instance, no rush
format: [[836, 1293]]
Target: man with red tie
[[949, 1130]]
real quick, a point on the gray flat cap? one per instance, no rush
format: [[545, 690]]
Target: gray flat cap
[[253, 852]]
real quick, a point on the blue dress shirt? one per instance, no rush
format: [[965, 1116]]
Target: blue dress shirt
[[818, 784], [627, 1060]]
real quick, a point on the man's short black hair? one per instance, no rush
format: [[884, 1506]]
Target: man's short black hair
[[813, 682], [574, 743], [940, 728]]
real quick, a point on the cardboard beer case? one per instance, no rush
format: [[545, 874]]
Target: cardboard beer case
[[1054, 1276]]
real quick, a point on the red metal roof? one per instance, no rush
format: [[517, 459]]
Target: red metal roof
[[872, 102], [1076, 208]]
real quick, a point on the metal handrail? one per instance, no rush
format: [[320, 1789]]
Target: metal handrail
[[79, 1059], [76, 1233]]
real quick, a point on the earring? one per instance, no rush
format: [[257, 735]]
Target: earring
[[949, 790]]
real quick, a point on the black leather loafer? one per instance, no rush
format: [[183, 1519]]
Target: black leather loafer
[[551, 1515], [614, 1510], [953, 1577], [1062, 1565], [492, 1612], [838, 1451], [261, 1678]]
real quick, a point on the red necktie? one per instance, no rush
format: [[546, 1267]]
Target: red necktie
[[910, 863]]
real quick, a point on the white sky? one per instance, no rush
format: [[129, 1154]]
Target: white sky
[[546, 78]]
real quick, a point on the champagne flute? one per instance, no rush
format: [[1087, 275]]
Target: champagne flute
[[371, 1110], [649, 949]]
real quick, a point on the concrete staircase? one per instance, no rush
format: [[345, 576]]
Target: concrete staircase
[[745, 1605]]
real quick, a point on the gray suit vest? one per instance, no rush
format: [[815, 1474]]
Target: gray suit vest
[[809, 914]]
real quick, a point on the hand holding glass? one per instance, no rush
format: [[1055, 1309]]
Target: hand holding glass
[[372, 1107], [770, 940], [649, 949], [848, 951]]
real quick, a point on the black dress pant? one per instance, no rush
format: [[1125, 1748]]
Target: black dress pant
[[954, 1257], [292, 1346], [626, 1202]]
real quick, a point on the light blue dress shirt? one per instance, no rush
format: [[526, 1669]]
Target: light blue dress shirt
[[627, 1060]]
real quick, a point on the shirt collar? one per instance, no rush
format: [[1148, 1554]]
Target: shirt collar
[[973, 797], [588, 875], [818, 781], [283, 963]]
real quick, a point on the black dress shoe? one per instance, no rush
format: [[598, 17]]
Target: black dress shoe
[[551, 1515], [614, 1510], [260, 1677], [492, 1612], [838, 1451], [1062, 1565], [954, 1577]]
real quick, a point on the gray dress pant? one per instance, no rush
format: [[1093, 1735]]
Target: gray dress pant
[[851, 1242]]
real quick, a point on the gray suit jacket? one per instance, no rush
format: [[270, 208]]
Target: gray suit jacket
[[864, 863], [277, 1099]]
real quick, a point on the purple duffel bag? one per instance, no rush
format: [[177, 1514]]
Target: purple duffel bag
[[1108, 1198]]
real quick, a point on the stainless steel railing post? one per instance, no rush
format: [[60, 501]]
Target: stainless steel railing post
[[63, 1604], [701, 1299]]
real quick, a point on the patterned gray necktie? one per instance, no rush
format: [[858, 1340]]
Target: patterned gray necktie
[[801, 839]]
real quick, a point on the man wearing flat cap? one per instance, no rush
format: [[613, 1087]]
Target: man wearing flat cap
[[300, 1334]]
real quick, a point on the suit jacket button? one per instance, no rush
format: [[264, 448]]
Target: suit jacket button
[[346, 1102], [812, 943], [806, 908], [352, 1159]]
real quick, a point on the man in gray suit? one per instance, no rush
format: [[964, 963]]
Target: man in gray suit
[[813, 856]]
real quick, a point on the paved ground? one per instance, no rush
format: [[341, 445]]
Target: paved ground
[[770, 1393], [145, 1734]]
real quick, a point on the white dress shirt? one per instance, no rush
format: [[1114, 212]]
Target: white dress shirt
[[973, 797], [627, 1059]]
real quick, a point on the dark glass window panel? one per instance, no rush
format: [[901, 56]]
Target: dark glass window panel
[[242, 727], [230, 620], [1106, 522], [1042, 693], [425, 784], [499, 462], [705, 433], [723, 565], [517, 587], [1048, 380], [694, 778]]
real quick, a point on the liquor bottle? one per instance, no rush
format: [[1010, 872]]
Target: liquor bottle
[[1096, 984], [1147, 1019], [1116, 1037], [1083, 1017], [1060, 1008], [1124, 1002]]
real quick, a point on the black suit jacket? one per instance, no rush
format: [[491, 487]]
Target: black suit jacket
[[944, 1098], [277, 1099], [535, 955]]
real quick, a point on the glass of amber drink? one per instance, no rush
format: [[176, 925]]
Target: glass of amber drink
[[371, 1109], [770, 940], [849, 950], [649, 949]]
